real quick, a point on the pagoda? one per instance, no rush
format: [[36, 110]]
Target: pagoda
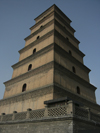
[[50, 87]]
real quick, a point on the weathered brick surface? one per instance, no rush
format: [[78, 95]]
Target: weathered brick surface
[[80, 125], [40, 127]]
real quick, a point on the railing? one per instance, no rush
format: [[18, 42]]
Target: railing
[[57, 111], [86, 114], [7, 117], [20, 116], [52, 112], [80, 112], [36, 114], [95, 117]]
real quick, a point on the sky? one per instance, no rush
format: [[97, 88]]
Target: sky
[[17, 16]]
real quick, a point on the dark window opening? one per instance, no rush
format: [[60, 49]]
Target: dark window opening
[[76, 104], [67, 39], [24, 88], [78, 90], [34, 50], [29, 67], [41, 26], [38, 37], [70, 52], [73, 69]]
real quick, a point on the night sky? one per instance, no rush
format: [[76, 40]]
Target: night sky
[[17, 16]]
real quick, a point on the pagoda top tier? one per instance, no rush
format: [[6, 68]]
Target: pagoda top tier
[[53, 8]]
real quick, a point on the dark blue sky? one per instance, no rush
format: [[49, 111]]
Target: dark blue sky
[[17, 16]]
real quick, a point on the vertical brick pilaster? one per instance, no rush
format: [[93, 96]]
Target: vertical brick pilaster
[[14, 113], [28, 113], [89, 114], [2, 116], [70, 107], [46, 112]]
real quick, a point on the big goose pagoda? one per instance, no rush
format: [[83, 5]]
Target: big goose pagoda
[[50, 89]]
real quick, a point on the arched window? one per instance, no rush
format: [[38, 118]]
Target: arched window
[[70, 52], [24, 88], [38, 37], [34, 50], [73, 69], [29, 67], [78, 90]]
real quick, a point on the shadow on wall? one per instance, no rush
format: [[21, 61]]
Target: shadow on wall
[[89, 131]]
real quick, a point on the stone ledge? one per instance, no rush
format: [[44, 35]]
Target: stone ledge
[[28, 74], [65, 54], [76, 98], [39, 30], [37, 41], [60, 69], [27, 95], [90, 122], [57, 113], [34, 56], [39, 120]]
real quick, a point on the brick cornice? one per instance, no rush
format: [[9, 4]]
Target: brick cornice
[[59, 68], [58, 16], [63, 53], [88, 122], [39, 30], [41, 21], [50, 47], [30, 73], [66, 31], [57, 34], [75, 97], [72, 118], [55, 9], [27, 95], [44, 13], [34, 56], [63, 15], [62, 20], [48, 34], [37, 41]]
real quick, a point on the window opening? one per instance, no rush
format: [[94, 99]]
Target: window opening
[[76, 104], [78, 90], [73, 69], [34, 50], [70, 52], [38, 37], [41, 26], [67, 39], [24, 88], [29, 67]]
